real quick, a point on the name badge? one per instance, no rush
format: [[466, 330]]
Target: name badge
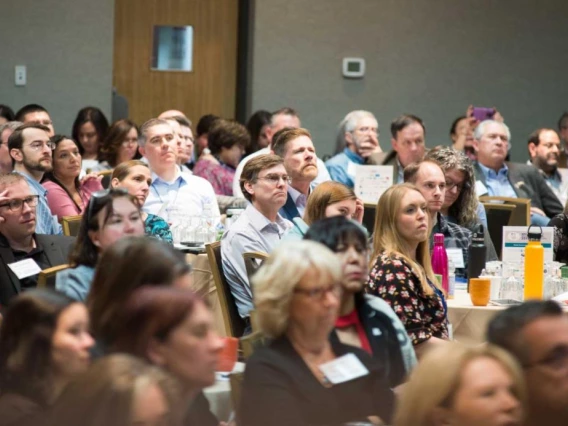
[[456, 256], [25, 268], [345, 368]]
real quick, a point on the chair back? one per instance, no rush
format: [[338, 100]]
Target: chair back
[[521, 216], [71, 225], [107, 175], [234, 324], [236, 382], [46, 278], [253, 261], [498, 216], [369, 213]]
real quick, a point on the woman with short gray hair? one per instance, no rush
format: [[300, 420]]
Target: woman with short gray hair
[[289, 382]]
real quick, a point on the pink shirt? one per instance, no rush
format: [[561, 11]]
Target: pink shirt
[[61, 204], [218, 175]]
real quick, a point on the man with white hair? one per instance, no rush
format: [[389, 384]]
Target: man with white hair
[[6, 130], [360, 132], [496, 177]]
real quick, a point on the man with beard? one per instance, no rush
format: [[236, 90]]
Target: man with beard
[[496, 177], [31, 152], [295, 146], [360, 133], [544, 151]]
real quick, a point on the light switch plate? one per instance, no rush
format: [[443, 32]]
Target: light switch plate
[[21, 77]]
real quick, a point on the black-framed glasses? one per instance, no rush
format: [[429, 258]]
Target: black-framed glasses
[[459, 186], [99, 196], [15, 205]]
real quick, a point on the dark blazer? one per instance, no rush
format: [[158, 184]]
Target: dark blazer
[[289, 210], [279, 389], [56, 247], [528, 183]]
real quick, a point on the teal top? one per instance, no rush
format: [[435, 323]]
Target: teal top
[[297, 232]]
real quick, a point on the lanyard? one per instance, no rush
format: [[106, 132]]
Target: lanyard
[[160, 197]]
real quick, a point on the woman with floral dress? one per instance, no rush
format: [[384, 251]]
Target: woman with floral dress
[[402, 273]]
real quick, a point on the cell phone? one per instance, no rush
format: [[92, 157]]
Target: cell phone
[[481, 113]]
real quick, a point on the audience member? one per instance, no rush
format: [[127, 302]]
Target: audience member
[[6, 130], [560, 244], [90, 129], [259, 228], [461, 135], [18, 240], [258, 127], [119, 390], [172, 193], [44, 344], [31, 152], [496, 177], [563, 131], [326, 200], [36, 114], [461, 386], [135, 177], [129, 264], [429, 179], [6, 114], [179, 142], [119, 145], [285, 117], [544, 152], [185, 141], [204, 124], [365, 321], [297, 294], [296, 148], [360, 131], [401, 270], [173, 328], [536, 334], [227, 143], [408, 145], [111, 215], [66, 194]]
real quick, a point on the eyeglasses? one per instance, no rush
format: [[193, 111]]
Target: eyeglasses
[[373, 130], [319, 292], [451, 185], [275, 179], [556, 360], [15, 205], [99, 196], [36, 146]]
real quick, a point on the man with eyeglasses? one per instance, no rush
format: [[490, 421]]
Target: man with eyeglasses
[[23, 252], [536, 334], [260, 227], [496, 177], [5, 131], [359, 134], [429, 178], [34, 113], [408, 145], [31, 152], [173, 194]]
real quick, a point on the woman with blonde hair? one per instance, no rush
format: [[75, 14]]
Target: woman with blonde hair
[[297, 294], [328, 199], [402, 273], [461, 386]]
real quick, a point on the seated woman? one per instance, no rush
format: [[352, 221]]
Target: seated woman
[[227, 141], [288, 382], [135, 177], [119, 145], [66, 194], [401, 271], [361, 316], [119, 390], [326, 200], [44, 344], [111, 215], [461, 386], [89, 129], [173, 328], [258, 126]]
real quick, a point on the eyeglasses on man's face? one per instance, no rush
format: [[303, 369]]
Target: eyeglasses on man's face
[[16, 204], [274, 179], [38, 145]]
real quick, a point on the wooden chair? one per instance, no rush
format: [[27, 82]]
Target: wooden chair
[[498, 216], [107, 175], [370, 210], [71, 225], [253, 261], [46, 277], [521, 216], [234, 324], [236, 382]]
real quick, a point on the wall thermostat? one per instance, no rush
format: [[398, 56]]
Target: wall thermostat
[[353, 67]]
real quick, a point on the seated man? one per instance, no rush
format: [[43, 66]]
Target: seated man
[[360, 133], [264, 182], [18, 240], [536, 334], [295, 147], [429, 178], [36, 114], [6, 130], [496, 177]]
